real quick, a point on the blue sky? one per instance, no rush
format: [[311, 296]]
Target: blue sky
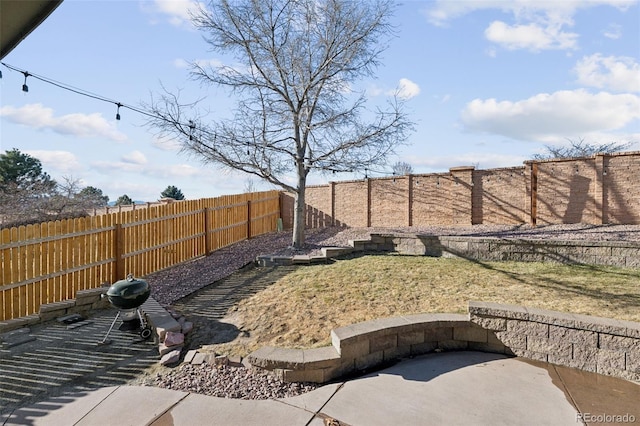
[[488, 83]]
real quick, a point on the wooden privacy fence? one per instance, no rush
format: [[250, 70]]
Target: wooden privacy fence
[[50, 262]]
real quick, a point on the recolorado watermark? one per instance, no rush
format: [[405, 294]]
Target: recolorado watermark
[[590, 418]]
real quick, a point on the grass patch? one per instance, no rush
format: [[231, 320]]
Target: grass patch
[[299, 310]]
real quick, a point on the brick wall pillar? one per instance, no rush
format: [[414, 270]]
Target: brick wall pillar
[[599, 190], [462, 195]]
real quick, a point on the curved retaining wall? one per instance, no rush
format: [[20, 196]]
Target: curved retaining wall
[[600, 345]]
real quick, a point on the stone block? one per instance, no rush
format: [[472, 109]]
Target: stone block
[[190, 355], [381, 343], [271, 358], [582, 358], [409, 338], [170, 358], [528, 328], [199, 359], [57, 306], [52, 314], [423, 348], [512, 340], [471, 333], [632, 362], [221, 360], [537, 356], [619, 343], [496, 348], [161, 332], [370, 360], [345, 367], [452, 345], [438, 334], [173, 338], [490, 323], [610, 360], [318, 358], [490, 309], [164, 349], [300, 376], [545, 345], [580, 337], [354, 350], [396, 353]]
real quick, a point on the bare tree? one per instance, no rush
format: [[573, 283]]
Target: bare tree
[[580, 148], [296, 110], [401, 168]]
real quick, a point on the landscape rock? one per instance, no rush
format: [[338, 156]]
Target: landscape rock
[[187, 327], [170, 358], [172, 338]]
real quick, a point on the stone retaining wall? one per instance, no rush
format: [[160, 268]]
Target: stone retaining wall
[[85, 300], [611, 253], [600, 345]]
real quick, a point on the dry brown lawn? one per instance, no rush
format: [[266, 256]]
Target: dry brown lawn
[[299, 310]]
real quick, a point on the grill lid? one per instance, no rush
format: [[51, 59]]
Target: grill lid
[[129, 293]]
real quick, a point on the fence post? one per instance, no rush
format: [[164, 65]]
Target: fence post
[[207, 242], [119, 247], [248, 219]]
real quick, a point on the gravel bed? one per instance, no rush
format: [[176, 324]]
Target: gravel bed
[[246, 383], [228, 382]]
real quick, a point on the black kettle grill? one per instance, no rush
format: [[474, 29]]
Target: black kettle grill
[[127, 296]]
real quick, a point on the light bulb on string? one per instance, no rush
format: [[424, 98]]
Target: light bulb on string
[[118, 110], [25, 88]]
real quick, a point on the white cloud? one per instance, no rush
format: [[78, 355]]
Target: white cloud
[[57, 162], [444, 11], [618, 73], [531, 36], [178, 12], [166, 144], [81, 125], [134, 157], [537, 25], [407, 89], [544, 116], [614, 32]]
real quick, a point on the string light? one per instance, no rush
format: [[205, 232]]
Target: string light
[[191, 125], [25, 88]]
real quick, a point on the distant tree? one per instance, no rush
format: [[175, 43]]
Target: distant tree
[[94, 195], [249, 186], [172, 192], [580, 148], [296, 111], [124, 200], [20, 172], [25, 189], [401, 168]]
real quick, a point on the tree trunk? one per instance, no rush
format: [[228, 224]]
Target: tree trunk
[[298, 213]]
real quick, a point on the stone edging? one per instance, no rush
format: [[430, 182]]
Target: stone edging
[[600, 345], [85, 300], [612, 253]]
